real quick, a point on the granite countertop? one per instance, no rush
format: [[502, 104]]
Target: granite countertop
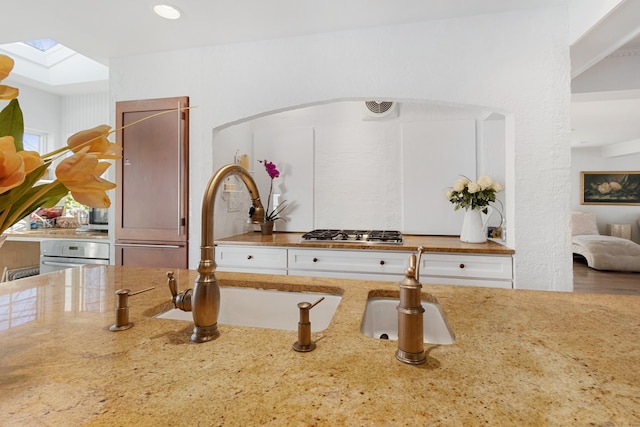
[[521, 358], [55, 233], [411, 243]]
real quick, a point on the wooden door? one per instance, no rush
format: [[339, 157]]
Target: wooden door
[[156, 255], [152, 176]]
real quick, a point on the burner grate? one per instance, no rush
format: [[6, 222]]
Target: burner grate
[[355, 236]]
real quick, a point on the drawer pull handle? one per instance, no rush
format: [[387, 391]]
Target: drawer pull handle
[[461, 265], [249, 256], [381, 262], [315, 260]]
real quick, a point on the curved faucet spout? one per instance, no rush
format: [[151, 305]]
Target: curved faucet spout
[[205, 299]]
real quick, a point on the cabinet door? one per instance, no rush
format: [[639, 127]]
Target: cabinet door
[[494, 271], [345, 261], [163, 256], [251, 259], [152, 176]]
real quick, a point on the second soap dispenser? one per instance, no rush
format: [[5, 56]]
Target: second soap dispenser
[[410, 315]]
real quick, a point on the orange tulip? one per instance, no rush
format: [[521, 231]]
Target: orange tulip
[[80, 173], [6, 65], [12, 170], [31, 159], [96, 140]]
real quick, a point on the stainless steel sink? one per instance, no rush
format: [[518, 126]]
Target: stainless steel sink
[[381, 321], [266, 308]]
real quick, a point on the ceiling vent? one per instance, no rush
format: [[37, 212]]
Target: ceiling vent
[[376, 110]]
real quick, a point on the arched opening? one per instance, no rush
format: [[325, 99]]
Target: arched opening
[[345, 166]]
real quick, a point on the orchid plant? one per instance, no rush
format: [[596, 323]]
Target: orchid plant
[[273, 172], [20, 170]]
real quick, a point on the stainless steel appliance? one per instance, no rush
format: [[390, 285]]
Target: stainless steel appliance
[[389, 237], [98, 219], [60, 254]]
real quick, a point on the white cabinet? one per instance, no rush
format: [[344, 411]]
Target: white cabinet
[[437, 268], [493, 271], [348, 264], [251, 259]]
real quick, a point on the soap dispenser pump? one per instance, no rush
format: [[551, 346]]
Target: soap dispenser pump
[[410, 315]]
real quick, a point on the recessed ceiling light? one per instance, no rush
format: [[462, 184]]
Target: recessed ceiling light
[[166, 11]]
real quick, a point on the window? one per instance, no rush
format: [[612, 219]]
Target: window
[[42, 45], [34, 142]]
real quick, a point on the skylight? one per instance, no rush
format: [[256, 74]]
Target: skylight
[[48, 65], [42, 45]]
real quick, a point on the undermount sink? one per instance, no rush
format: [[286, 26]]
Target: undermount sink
[[267, 308], [381, 321]]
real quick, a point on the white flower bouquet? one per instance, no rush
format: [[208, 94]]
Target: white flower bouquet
[[471, 195]]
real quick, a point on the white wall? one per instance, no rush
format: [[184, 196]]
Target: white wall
[[590, 160], [61, 116], [514, 63], [42, 112], [343, 167]]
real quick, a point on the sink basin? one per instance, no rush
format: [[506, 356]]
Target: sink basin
[[381, 321], [267, 308]]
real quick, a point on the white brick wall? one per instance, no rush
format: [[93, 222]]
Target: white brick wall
[[515, 63]]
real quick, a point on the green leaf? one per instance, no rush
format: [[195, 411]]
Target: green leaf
[[12, 196], [12, 123], [46, 201]]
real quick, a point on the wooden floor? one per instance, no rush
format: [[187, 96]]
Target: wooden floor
[[588, 280]]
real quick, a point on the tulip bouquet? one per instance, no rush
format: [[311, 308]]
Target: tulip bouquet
[[20, 170]]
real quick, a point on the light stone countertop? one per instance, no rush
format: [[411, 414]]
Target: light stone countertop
[[521, 358]]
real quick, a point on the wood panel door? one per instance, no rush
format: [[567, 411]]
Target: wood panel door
[[157, 255], [152, 176]]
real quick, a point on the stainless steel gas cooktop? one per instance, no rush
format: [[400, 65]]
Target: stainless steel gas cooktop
[[389, 237]]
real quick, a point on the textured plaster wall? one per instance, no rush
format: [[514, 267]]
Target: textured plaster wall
[[514, 63]]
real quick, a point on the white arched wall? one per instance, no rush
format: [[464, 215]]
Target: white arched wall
[[517, 62], [328, 149]]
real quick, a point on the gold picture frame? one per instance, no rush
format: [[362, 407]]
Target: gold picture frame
[[610, 188]]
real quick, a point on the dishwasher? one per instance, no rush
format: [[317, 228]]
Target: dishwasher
[[60, 254]]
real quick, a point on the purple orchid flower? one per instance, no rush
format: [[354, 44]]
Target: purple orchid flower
[[273, 172], [272, 169]]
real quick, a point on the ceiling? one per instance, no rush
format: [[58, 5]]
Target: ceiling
[[105, 29], [101, 30]]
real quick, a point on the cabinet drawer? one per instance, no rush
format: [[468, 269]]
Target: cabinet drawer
[[380, 262], [495, 267], [459, 281], [251, 257]]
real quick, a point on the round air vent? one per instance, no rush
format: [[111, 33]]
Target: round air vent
[[378, 107]]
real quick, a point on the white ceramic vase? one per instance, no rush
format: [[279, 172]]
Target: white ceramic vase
[[474, 226]]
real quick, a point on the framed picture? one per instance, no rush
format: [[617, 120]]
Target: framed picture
[[610, 188]]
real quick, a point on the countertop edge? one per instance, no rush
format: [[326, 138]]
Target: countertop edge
[[411, 243]]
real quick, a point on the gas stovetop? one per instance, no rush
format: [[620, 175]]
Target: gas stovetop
[[355, 236]]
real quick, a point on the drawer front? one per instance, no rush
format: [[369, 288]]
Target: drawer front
[[379, 262], [251, 257], [459, 281], [495, 267], [348, 275]]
